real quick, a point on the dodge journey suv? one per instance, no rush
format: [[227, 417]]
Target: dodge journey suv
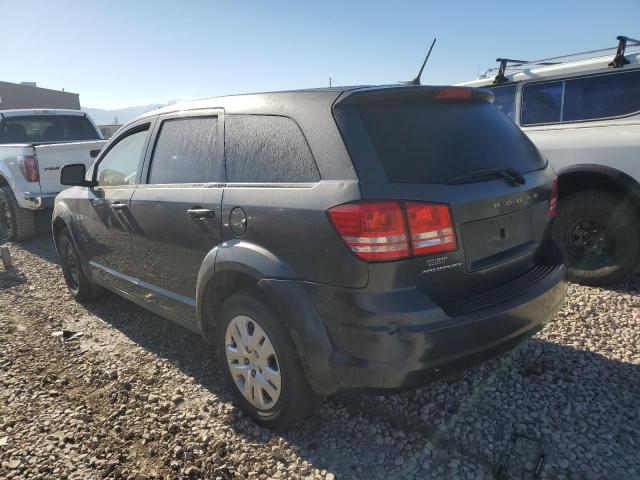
[[322, 240]]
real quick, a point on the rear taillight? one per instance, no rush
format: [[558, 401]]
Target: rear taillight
[[553, 200], [432, 230], [377, 231], [372, 230], [29, 167]]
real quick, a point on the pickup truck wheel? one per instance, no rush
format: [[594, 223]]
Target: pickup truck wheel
[[599, 235], [261, 363], [15, 223], [77, 282]]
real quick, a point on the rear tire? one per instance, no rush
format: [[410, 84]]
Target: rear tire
[[77, 282], [599, 235], [16, 223], [276, 392]]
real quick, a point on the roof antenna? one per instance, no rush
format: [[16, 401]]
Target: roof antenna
[[416, 81]]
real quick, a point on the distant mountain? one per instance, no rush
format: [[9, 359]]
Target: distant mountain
[[121, 115]]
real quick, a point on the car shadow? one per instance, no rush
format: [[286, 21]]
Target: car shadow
[[40, 245], [10, 277], [505, 415]]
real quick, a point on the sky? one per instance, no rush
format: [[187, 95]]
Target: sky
[[119, 53]]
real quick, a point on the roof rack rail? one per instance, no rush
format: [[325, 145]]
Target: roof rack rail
[[519, 65]]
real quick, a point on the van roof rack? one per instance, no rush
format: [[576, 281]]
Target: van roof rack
[[513, 66]]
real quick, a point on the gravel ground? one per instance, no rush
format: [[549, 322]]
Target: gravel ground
[[137, 397]]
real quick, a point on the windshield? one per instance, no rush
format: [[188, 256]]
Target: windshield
[[46, 128], [422, 141]]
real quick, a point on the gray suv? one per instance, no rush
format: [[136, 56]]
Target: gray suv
[[322, 240]]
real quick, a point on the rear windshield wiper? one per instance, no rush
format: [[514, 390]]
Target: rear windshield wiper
[[511, 174]]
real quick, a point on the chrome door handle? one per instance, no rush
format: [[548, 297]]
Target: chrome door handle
[[118, 206], [200, 213]]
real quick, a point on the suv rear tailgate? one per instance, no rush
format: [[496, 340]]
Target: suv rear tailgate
[[411, 144]]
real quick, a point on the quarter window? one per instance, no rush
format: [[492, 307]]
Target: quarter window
[[505, 99], [185, 152], [581, 99], [602, 96], [542, 103], [120, 164], [266, 149]]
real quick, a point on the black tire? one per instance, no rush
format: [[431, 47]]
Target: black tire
[[15, 223], [77, 282], [599, 235], [296, 399]]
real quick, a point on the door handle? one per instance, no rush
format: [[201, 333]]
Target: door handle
[[118, 206], [200, 213]]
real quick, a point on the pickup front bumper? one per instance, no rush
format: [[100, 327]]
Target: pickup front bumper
[[38, 201]]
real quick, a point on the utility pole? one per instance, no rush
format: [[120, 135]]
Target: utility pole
[[329, 81]]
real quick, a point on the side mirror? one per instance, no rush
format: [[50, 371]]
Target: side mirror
[[94, 153], [73, 175]]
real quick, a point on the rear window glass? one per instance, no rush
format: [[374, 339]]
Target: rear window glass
[[46, 128], [542, 103], [505, 99], [185, 152], [421, 141], [267, 149], [602, 96]]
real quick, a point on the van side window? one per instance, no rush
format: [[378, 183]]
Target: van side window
[[602, 96], [266, 149], [505, 99], [542, 103], [120, 164], [185, 152]]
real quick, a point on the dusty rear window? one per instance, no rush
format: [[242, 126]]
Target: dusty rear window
[[423, 141]]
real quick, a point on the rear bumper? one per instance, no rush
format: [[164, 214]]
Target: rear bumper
[[415, 354], [38, 201], [400, 338]]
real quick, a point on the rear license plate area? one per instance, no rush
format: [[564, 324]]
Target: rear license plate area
[[495, 240]]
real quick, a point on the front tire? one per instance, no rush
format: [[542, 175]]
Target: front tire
[[261, 363], [16, 223], [599, 235], [77, 282]]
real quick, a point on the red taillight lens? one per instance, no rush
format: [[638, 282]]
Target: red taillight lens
[[29, 167], [454, 93], [372, 230], [376, 231], [432, 230], [553, 200]]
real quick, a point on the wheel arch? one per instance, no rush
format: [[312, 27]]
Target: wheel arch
[[598, 177], [236, 266], [229, 268]]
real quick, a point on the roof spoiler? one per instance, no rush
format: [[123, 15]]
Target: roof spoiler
[[435, 93]]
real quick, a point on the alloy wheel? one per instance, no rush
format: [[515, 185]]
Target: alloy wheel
[[253, 362]]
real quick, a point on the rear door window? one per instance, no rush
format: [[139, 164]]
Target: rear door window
[[422, 141], [542, 103], [267, 149], [602, 96], [505, 99], [185, 152]]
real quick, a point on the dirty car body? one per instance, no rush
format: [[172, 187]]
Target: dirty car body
[[384, 272]]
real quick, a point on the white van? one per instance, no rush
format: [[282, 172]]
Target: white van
[[583, 113]]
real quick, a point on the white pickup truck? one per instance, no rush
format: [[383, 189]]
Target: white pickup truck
[[34, 146]]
